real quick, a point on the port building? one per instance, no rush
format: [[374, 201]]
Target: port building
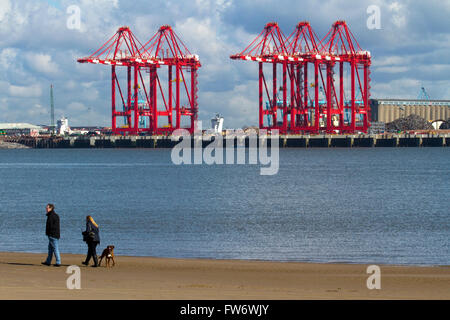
[[388, 110], [19, 129]]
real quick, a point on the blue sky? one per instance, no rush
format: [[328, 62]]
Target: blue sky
[[410, 50]]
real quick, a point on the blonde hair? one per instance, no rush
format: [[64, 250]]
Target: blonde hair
[[92, 221]]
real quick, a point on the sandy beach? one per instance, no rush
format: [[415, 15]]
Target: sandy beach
[[23, 277]]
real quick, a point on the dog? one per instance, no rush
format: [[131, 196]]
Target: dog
[[108, 254]]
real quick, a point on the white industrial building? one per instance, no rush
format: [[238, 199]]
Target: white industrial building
[[217, 124], [20, 129], [62, 126]]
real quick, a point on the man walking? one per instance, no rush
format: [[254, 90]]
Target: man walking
[[52, 232]]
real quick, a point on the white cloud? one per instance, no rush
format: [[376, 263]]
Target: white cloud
[[398, 14], [76, 107], [390, 61], [42, 63], [392, 69], [5, 8], [100, 3], [37, 110], [70, 85], [8, 57], [32, 91]]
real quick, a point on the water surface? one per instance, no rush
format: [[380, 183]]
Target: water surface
[[374, 205]]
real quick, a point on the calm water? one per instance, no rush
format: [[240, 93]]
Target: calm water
[[324, 205]]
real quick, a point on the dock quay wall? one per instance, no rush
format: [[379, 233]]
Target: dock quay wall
[[285, 141]]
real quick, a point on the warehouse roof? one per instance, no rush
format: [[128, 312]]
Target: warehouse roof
[[397, 99], [6, 126], [412, 102]]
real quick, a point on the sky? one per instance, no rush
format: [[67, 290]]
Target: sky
[[39, 46]]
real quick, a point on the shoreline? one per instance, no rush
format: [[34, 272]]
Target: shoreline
[[23, 277], [253, 260], [12, 146], [390, 140]]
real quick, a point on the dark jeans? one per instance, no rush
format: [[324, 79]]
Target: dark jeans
[[92, 245]]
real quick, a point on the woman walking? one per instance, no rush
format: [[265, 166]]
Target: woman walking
[[92, 238]]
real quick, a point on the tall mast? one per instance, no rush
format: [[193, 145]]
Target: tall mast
[[52, 110]]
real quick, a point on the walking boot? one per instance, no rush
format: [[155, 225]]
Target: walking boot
[[95, 261]]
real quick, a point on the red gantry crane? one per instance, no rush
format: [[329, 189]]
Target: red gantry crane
[[341, 47], [324, 110], [333, 107], [117, 51], [140, 105], [269, 47], [303, 46], [166, 48]]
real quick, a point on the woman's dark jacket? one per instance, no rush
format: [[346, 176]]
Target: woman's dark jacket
[[52, 225], [91, 228]]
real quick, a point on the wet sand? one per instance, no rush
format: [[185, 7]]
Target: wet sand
[[23, 277]]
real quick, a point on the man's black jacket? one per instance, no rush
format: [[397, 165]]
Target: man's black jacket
[[52, 227]]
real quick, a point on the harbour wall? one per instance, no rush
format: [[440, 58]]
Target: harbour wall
[[285, 141]]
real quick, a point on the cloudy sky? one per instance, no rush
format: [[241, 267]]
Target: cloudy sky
[[410, 50]]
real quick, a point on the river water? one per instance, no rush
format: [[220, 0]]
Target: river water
[[365, 205]]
